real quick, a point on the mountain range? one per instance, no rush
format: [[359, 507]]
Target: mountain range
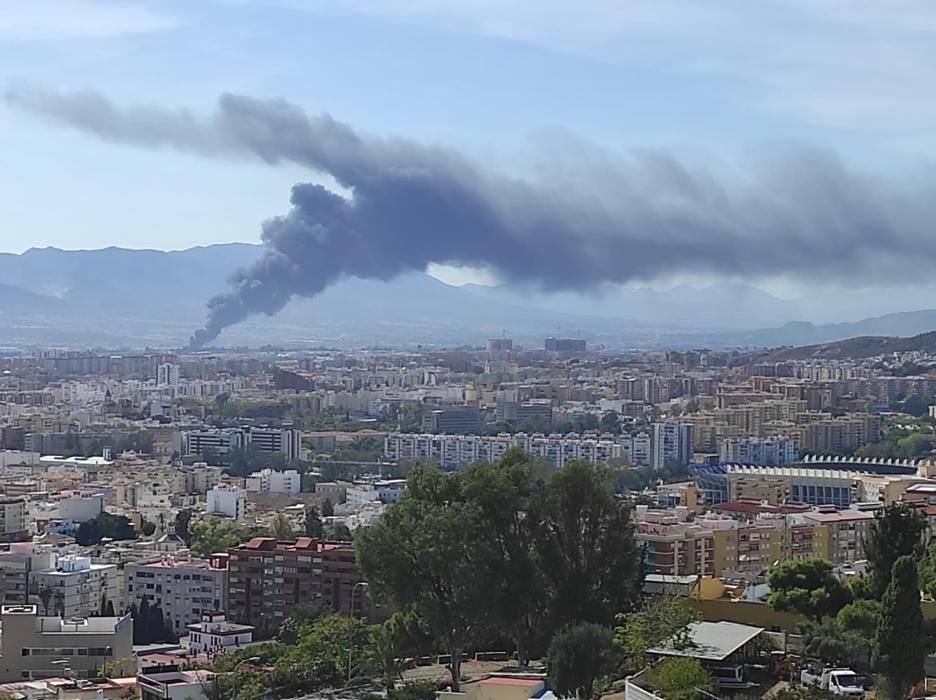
[[117, 297]]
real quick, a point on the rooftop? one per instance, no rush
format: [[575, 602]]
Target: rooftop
[[711, 641], [839, 517]]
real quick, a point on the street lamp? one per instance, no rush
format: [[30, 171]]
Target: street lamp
[[351, 647], [251, 660]]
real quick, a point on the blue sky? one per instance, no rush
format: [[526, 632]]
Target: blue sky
[[503, 80]]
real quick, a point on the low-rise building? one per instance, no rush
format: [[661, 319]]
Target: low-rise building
[[34, 645], [215, 635]]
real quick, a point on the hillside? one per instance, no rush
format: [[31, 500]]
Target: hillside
[[856, 348]]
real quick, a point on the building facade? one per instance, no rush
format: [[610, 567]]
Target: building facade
[[184, 589], [269, 579]]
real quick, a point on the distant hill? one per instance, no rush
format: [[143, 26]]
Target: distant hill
[[857, 348]]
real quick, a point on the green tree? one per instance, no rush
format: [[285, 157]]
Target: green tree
[[313, 523], [859, 616], [428, 554], [579, 656], [679, 678], [281, 528], [807, 587], [502, 493], [899, 644], [897, 531], [584, 542], [211, 534], [660, 619], [181, 528], [382, 653]]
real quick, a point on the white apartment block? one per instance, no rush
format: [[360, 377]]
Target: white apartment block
[[272, 481], [770, 451], [76, 587], [190, 443], [186, 590], [454, 451], [672, 444], [229, 501]]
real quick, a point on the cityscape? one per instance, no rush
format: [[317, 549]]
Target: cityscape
[[467, 350]]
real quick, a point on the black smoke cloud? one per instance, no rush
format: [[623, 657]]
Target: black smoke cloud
[[406, 205]]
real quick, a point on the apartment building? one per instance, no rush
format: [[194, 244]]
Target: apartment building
[[769, 451], [272, 481], [42, 642], [76, 587], [455, 451], [218, 442], [13, 525], [185, 589], [268, 579], [840, 539], [672, 444], [227, 500]]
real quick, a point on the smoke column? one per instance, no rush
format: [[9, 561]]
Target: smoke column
[[407, 205]]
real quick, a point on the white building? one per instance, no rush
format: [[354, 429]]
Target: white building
[[272, 481], [216, 635], [167, 374], [227, 500], [385, 491], [79, 507], [184, 589], [672, 444], [189, 443], [76, 587], [769, 451]]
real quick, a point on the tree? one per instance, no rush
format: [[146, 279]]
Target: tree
[[660, 619], [181, 528], [859, 616], [680, 678], [502, 494], [281, 528], [807, 587], [313, 523], [211, 534], [381, 655], [328, 510], [427, 554], [578, 656], [115, 527], [584, 543], [897, 531], [899, 645]]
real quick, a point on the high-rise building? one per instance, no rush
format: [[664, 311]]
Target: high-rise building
[[269, 579], [672, 444], [75, 587], [184, 589]]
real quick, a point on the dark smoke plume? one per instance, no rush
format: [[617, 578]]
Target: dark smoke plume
[[409, 205]]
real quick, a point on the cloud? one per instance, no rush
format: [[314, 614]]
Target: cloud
[[403, 206], [42, 20], [855, 64]]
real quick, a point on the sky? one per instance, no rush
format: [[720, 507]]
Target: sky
[[508, 82]]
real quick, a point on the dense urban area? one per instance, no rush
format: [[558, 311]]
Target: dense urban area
[[490, 521]]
